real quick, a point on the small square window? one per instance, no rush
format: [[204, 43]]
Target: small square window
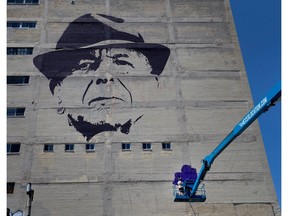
[[90, 147], [126, 147], [10, 187], [166, 146], [146, 146], [69, 147], [13, 148], [48, 147]]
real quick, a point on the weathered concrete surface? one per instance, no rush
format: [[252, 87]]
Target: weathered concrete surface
[[201, 94]]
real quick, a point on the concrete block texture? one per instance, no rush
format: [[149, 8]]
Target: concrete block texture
[[192, 99]]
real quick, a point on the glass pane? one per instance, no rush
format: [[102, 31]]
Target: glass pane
[[17, 79], [10, 187], [20, 111], [11, 51], [69, 147], [8, 148], [89, 146], [48, 147], [15, 24], [125, 146], [11, 112], [28, 25], [29, 51], [15, 148]]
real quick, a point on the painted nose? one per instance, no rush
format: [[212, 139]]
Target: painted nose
[[104, 81]]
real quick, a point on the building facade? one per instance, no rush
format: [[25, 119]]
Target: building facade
[[108, 99]]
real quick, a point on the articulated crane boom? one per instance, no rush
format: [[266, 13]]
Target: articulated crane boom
[[191, 187]]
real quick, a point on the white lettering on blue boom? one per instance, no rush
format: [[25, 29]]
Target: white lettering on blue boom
[[253, 112]]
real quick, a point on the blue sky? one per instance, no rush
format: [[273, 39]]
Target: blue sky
[[258, 24]]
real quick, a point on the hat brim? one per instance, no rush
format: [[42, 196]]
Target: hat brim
[[60, 63]]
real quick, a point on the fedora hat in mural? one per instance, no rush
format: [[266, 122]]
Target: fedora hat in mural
[[86, 33]]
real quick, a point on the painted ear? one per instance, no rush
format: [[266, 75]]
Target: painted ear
[[58, 94]]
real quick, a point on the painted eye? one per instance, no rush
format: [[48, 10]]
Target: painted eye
[[122, 62], [84, 66]]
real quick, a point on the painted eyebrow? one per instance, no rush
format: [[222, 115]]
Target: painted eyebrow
[[118, 56], [120, 62]]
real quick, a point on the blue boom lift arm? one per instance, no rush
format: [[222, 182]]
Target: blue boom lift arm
[[268, 101]]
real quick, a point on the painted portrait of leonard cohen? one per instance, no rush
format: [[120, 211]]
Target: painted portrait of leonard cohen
[[85, 48]]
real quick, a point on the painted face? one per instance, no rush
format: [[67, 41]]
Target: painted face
[[98, 86]]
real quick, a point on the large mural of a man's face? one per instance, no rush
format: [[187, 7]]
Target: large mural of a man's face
[[82, 51]]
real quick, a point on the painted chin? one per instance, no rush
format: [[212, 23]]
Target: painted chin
[[88, 129], [93, 116]]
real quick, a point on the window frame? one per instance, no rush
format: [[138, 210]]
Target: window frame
[[70, 147], [10, 187], [126, 146], [18, 80], [10, 146], [145, 146], [24, 2], [50, 148], [21, 24], [17, 112], [90, 149], [12, 51], [166, 146]]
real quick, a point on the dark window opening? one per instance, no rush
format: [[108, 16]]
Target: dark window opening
[[19, 51], [10, 187], [146, 146], [69, 147], [126, 146], [22, 1], [14, 24], [90, 147], [166, 146], [48, 147], [18, 79], [15, 112], [13, 148]]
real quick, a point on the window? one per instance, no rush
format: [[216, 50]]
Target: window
[[166, 146], [17, 79], [48, 147], [22, 1], [69, 147], [15, 112], [13, 148], [19, 51], [146, 146], [126, 147], [14, 24], [10, 187], [90, 147]]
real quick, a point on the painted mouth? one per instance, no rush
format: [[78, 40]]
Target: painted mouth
[[103, 99]]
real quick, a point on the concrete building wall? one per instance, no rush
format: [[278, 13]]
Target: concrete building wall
[[196, 101]]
